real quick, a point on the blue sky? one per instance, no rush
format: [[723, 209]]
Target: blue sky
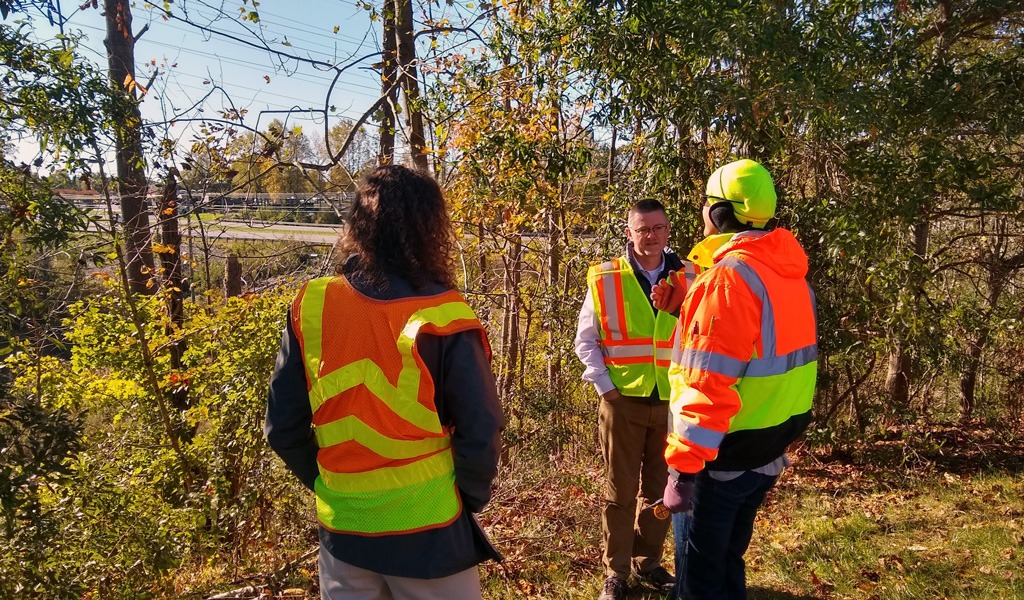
[[191, 61]]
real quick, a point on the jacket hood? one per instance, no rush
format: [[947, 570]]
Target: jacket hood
[[777, 249]]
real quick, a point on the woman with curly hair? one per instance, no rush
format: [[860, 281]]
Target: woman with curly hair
[[383, 403]]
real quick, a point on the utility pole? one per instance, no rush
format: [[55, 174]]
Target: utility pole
[[170, 263]]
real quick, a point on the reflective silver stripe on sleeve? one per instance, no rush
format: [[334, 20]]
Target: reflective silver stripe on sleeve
[[677, 347], [757, 367], [690, 273], [715, 363], [753, 281], [700, 436], [663, 353]]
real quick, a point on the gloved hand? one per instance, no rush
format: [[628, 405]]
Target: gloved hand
[[668, 295], [678, 495]]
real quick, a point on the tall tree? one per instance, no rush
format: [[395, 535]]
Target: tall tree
[[413, 111], [388, 74], [131, 171]]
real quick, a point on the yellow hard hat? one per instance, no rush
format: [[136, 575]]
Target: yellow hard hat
[[748, 187]]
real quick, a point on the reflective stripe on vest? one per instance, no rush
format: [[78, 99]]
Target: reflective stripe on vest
[[385, 460], [636, 340]]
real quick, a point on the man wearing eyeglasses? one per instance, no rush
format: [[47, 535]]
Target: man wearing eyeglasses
[[625, 346], [742, 376]]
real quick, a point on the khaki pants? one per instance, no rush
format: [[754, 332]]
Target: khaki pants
[[633, 438], [342, 581]]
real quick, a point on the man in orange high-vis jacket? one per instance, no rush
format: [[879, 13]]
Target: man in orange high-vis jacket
[[383, 403], [742, 375], [625, 347]]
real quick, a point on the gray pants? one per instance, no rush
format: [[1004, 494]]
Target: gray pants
[[342, 581]]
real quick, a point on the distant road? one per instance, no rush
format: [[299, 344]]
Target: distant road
[[257, 230], [281, 232], [310, 233]]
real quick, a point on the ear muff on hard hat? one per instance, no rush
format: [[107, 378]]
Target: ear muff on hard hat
[[723, 218], [748, 188]]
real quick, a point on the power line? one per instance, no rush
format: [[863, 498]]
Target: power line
[[296, 101], [193, 31], [249, 66], [324, 35], [348, 84], [238, 61], [303, 25]]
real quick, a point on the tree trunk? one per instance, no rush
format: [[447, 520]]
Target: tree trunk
[[611, 158], [481, 258], [170, 262], [855, 400], [131, 173], [682, 162], [233, 277], [753, 138], [513, 269], [897, 381], [998, 274], [638, 132], [386, 147], [554, 312], [410, 85], [968, 381]]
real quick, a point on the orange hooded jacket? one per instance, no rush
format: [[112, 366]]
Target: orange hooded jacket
[[744, 367]]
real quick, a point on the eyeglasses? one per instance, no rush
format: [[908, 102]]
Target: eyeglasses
[[656, 230]]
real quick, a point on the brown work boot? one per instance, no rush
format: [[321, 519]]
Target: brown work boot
[[613, 589]]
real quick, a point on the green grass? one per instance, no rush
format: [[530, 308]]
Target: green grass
[[933, 536], [873, 525]]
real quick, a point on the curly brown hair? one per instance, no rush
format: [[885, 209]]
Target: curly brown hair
[[398, 224]]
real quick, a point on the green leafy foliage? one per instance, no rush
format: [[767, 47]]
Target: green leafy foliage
[[51, 93], [35, 441], [89, 457], [885, 127], [893, 131]]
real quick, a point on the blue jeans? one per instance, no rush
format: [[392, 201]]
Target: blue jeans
[[718, 535], [681, 534]]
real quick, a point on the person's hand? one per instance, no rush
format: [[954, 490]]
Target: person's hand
[[612, 395], [678, 494], [668, 295]]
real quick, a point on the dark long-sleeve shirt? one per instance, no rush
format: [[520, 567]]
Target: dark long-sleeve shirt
[[466, 399]]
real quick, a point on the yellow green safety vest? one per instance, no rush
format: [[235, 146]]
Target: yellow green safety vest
[[636, 339]]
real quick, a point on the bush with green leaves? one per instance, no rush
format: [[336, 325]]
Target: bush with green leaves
[[102, 505]]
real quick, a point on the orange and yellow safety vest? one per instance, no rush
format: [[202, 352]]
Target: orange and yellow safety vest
[[385, 459]]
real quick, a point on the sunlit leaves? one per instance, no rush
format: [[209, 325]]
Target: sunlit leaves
[[111, 488], [53, 95]]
